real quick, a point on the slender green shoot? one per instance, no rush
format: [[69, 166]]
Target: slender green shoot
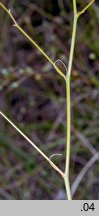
[[35, 146], [32, 41], [67, 77], [68, 97], [84, 10]]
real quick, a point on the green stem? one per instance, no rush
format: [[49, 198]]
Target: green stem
[[72, 45], [65, 175], [68, 127], [68, 107], [67, 187], [68, 136]]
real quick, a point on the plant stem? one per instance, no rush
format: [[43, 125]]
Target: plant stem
[[72, 46], [67, 78], [32, 41], [68, 136], [68, 105], [68, 97], [83, 10], [68, 127], [31, 142]]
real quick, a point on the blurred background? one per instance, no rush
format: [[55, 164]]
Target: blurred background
[[32, 95]]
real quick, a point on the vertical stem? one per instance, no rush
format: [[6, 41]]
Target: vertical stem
[[68, 135], [68, 127], [75, 6], [68, 98], [68, 104], [72, 45], [65, 175]]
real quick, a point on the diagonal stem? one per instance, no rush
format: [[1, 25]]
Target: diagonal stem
[[32, 41], [41, 152], [84, 10]]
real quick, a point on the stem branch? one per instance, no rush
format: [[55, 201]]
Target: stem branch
[[40, 151], [84, 10], [67, 78], [32, 41]]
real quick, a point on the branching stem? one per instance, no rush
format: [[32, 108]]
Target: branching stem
[[32, 41], [65, 174], [84, 10], [68, 97], [68, 103]]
